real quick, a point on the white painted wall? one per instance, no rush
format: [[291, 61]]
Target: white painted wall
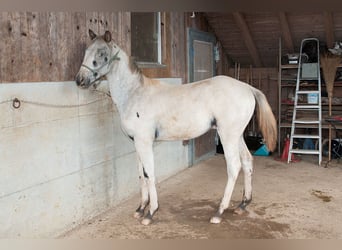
[[62, 166]]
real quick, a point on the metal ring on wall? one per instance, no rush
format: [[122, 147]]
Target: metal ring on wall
[[16, 103]]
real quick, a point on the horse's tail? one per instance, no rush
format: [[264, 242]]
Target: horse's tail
[[266, 119]]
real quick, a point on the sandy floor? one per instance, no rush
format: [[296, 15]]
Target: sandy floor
[[299, 200]]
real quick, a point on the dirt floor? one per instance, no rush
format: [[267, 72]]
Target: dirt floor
[[291, 201]]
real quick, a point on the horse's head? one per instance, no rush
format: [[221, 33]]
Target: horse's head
[[98, 59]]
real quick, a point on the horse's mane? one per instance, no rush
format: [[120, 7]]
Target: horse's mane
[[135, 69]]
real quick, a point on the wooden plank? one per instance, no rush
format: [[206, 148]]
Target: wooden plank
[[10, 59], [329, 28], [247, 37], [29, 22], [25, 47], [125, 32], [52, 45], [91, 22], [178, 51], [106, 22], [44, 50], [63, 43], [114, 26], [80, 38], [285, 31]]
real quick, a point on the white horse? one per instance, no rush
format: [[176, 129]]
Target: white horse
[[152, 110]]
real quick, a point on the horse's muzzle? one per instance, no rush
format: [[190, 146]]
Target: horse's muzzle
[[81, 81]]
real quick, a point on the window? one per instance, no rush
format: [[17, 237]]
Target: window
[[146, 38]]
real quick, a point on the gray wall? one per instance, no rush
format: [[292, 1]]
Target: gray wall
[[62, 166]]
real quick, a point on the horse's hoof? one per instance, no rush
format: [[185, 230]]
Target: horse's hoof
[[239, 211], [215, 220], [146, 221], [138, 214]]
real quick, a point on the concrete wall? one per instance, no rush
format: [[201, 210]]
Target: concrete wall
[[60, 166]]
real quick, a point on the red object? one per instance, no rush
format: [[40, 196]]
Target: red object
[[286, 149], [285, 153], [337, 118]]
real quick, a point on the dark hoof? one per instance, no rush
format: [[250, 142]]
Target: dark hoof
[[139, 214], [239, 211]]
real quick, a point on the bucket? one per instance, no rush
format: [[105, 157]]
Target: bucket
[[262, 151]]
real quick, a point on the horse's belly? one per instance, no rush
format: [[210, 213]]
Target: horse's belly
[[183, 130]]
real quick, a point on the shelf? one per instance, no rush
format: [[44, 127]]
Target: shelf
[[322, 104], [324, 126], [289, 80], [289, 66], [295, 66], [336, 84]]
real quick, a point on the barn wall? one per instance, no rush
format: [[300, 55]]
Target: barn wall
[[63, 165], [265, 79], [49, 46], [39, 46]]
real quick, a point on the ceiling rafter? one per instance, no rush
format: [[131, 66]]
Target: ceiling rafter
[[285, 31], [247, 37], [329, 28]]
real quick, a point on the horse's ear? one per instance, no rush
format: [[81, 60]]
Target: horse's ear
[[107, 36], [92, 34]]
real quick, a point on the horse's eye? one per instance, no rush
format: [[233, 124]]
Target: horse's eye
[[95, 63]]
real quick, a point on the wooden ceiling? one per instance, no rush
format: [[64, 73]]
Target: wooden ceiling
[[253, 38]]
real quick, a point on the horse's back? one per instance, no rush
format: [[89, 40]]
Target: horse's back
[[223, 92], [189, 110]]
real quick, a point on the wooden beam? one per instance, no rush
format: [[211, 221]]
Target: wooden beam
[[329, 29], [285, 32], [247, 37]]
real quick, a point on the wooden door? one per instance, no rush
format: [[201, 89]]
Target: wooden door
[[201, 66]]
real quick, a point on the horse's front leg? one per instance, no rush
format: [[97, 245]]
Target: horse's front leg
[[144, 150], [139, 213]]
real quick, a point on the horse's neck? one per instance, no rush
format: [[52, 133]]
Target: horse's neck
[[122, 82]]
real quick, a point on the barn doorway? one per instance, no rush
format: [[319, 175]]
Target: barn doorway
[[201, 65]]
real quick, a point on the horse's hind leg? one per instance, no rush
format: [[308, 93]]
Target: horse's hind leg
[[145, 154], [247, 167], [231, 152]]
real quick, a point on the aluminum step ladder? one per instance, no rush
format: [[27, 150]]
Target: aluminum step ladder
[[307, 110]]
